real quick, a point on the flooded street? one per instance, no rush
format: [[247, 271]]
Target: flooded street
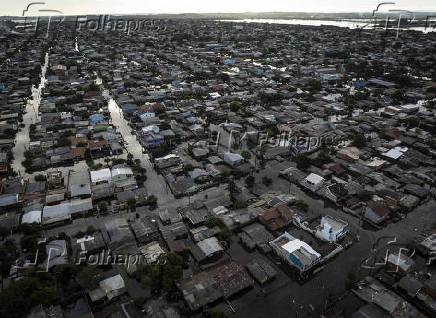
[[155, 183], [32, 108]]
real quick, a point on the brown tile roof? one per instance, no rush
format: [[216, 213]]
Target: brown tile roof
[[78, 152], [98, 144]]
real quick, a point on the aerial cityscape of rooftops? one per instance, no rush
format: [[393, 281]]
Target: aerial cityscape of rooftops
[[271, 163]]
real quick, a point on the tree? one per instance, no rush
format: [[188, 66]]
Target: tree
[[212, 222], [8, 254], [267, 181], [102, 206], [302, 161], [90, 229], [152, 202], [303, 206], [63, 142], [162, 276], [65, 272], [40, 177], [249, 181], [4, 232], [132, 202], [89, 277], [235, 106], [213, 313], [359, 140], [22, 295], [246, 154], [364, 196]]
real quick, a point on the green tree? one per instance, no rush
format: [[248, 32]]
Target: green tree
[[302, 161], [267, 181], [212, 222], [249, 181], [21, 296], [303, 206], [246, 154], [364, 196], [359, 140], [40, 177], [161, 277], [4, 232], [102, 206], [213, 313], [89, 277]]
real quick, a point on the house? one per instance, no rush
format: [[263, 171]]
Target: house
[[399, 263], [295, 252], [116, 148], [121, 174], [347, 155], [167, 161], [79, 184], [8, 201], [145, 230], [101, 176], [313, 182], [211, 285], [120, 236], [108, 289], [428, 245], [32, 217], [207, 250], [151, 252], [277, 217], [256, 235], [335, 192], [233, 159], [376, 212], [331, 229], [88, 245], [261, 270]]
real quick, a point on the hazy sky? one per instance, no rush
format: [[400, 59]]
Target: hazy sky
[[68, 7]]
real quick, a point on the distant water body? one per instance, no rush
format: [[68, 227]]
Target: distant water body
[[351, 24]]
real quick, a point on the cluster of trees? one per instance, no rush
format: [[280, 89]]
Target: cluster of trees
[[304, 162], [225, 232], [161, 277], [19, 299]]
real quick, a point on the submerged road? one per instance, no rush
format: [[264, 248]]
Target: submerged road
[[22, 138], [155, 183]]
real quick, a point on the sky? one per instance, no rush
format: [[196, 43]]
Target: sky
[[76, 7]]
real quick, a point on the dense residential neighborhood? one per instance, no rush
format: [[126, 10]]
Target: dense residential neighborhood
[[216, 169]]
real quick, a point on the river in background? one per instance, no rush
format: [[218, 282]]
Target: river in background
[[351, 24]]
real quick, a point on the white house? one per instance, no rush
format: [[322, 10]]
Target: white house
[[331, 229], [313, 182], [296, 252]]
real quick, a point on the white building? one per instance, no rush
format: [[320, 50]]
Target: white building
[[101, 176], [331, 229], [313, 182], [296, 252]]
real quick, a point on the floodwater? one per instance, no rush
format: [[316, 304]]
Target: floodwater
[[22, 139], [352, 24], [155, 183]]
